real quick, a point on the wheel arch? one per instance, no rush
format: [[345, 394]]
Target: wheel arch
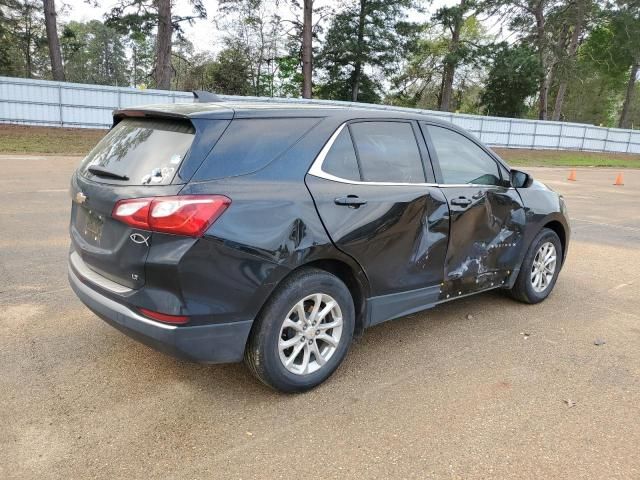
[[559, 229], [355, 281], [352, 276]]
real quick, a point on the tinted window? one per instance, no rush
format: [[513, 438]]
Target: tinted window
[[147, 151], [341, 160], [461, 160], [388, 152], [251, 144]]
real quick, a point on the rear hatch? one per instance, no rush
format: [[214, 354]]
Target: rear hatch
[[139, 157]]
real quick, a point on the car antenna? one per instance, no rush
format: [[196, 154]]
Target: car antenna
[[200, 96]]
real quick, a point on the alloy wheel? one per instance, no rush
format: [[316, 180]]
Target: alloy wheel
[[543, 267], [310, 334]]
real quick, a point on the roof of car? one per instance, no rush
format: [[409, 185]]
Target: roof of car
[[247, 109], [277, 109]]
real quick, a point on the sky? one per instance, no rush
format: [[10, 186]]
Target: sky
[[204, 35]]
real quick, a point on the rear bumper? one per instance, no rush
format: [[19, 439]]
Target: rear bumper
[[214, 343]]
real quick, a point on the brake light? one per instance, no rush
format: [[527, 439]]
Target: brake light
[[188, 215], [163, 317], [133, 212]]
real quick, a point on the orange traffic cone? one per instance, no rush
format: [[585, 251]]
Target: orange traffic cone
[[572, 176], [619, 180]]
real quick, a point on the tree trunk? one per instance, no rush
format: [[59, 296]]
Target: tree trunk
[[543, 80], [449, 71], [446, 89], [307, 49], [135, 66], [52, 39], [27, 50], [162, 72], [628, 99], [571, 53], [357, 67]]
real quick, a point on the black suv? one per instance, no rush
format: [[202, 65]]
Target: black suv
[[278, 232]]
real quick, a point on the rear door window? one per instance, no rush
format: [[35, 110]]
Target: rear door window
[[145, 151], [388, 152], [251, 144]]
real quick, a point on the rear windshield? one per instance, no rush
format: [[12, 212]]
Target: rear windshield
[[145, 151], [251, 144]]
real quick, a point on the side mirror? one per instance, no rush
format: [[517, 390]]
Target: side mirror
[[520, 179]]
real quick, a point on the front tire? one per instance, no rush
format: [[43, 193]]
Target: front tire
[[540, 268], [303, 332]]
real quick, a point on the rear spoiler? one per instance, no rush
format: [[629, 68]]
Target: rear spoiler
[[184, 111]]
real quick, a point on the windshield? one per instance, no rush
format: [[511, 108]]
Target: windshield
[[140, 152]]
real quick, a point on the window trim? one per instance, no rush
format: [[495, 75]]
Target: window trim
[[316, 167]]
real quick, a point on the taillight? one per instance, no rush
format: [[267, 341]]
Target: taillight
[[188, 215], [163, 317]]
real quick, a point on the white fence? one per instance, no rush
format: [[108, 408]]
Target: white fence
[[41, 102]]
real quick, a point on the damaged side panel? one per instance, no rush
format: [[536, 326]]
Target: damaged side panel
[[486, 238], [260, 238], [399, 237]]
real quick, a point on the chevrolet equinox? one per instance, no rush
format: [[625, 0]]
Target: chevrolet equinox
[[278, 232]]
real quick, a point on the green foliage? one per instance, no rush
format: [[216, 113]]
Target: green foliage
[[363, 49], [592, 97], [141, 48], [94, 53], [603, 64], [227, 74], [9, 64], [464, 14], [289, 76], [602, 51], [419, 83], [368, 35], [634, 110], [255, 30], [25, 52], [182, 56], [341, 88], [513, 78], [141, 16]]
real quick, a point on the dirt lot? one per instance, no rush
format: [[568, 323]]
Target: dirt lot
[[434, 395]]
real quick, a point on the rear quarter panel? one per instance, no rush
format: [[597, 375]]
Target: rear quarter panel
[[270, 228]]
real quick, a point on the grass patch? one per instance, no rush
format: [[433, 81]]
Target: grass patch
[[559, 158], [48, 140]]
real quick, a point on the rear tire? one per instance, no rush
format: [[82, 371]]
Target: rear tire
[[293, 354], [540, 268]]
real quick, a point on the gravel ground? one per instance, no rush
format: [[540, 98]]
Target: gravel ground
[[515, 391]]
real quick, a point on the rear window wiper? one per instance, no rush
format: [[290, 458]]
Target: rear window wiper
[[103, 172]]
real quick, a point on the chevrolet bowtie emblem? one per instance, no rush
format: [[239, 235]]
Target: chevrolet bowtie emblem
[[80, 198]]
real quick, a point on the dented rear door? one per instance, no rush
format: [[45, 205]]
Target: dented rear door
[[370, 187]]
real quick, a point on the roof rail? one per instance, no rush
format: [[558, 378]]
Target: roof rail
[[200, 96]]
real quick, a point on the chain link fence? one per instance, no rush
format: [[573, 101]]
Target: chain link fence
[[41, 102]]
